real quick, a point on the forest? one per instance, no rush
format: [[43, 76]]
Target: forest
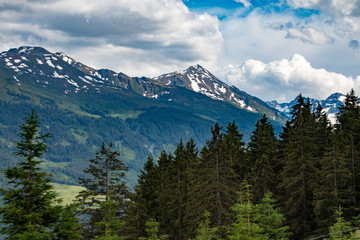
[[302, 184]]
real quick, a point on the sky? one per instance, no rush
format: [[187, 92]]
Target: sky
[[272, 49]]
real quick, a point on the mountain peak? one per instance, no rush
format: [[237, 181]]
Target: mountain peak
[[198, 67], [336, 97], [200, 80], [65, 58], [195, 78], [28, 50], [330, 105]]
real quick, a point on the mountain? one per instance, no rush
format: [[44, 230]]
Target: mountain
[[331, 105], [198, 79], [82, 106]]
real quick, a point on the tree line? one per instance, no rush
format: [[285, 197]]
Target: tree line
[[302, 184]]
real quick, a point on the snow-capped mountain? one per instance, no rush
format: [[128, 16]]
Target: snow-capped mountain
[[57, 71], [63, 73], [43, 68], [200, 80], [331, 105]]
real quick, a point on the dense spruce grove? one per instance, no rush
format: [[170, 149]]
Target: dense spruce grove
[[301, 185]]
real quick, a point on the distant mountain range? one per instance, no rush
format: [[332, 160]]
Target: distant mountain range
[[71, 76], [82, 106], [331, 105]]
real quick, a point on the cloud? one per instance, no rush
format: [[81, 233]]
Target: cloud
[[309, 34], [246, 3], [282, 80], [303, 3], [344, 13], [300, 29], [165, 32], [270, 36]]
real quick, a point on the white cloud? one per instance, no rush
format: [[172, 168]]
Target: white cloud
[[282, 80], [345, 13], [266, 37], [309, 34], [164, 32], [302, 3], [246, 3]]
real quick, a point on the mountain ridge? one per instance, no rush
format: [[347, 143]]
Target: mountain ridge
[[199, 79], [195, 78], [82, 106], [330, 105]]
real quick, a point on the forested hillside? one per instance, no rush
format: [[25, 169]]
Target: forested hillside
[[82, 106], [301, 185], [312, 170]]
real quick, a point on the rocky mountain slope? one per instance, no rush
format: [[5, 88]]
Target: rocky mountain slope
[[198, 79]]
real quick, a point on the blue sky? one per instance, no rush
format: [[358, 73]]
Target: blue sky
[[273, 49], [227, 8]]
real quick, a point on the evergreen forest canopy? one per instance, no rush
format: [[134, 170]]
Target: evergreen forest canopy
[[301, 185]]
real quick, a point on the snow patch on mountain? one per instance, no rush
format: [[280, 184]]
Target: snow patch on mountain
[[72, 82], [65, 58], [17, 80], [26, 50], [57, 75], [48, 61]]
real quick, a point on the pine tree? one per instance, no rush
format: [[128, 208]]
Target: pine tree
[[341, 229], [179, 187], [67, 226], [323, 130], [334, 184], [104, 200], [166, 175], [152, 229], [30, 207], [184, 158], [262, 156], [204, 231], [144, 202], [270, 219], [191, 213], [299, 173], [348, 128], [234, 152], [111, 221], [216, 181], [245, 226]]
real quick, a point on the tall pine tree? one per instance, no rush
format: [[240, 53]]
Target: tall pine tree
[[30, 207], [261, 153], [216, 179], [348, 128], [145, 200], [104, 200], [299, 173]]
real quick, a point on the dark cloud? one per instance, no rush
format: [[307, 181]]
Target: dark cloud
[[354, 44], [356, 11], [166, 30]]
